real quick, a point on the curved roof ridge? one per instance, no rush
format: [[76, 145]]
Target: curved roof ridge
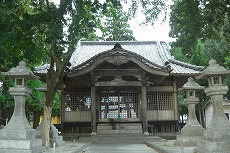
[[115, 51], [162, 52], [120, 42]]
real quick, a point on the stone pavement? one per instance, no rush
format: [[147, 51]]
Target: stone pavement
[[169, 147], [70, 147], [119, 148], [82, 146]]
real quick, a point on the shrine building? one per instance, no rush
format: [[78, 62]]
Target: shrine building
[[133, 82]]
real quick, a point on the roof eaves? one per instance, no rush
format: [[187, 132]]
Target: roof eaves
[[194, 67]]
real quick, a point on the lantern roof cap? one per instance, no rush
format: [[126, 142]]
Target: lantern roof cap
[[191, 85], [20, 71], [213, 69], [43, 88]]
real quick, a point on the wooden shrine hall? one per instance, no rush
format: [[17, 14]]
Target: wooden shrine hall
[[133, 82]]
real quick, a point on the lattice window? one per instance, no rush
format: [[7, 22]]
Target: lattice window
[[159, 101], [77, 102], [125, 105]]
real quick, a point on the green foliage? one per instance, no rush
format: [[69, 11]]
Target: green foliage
[[112, 122], [19, 38], [202, 32], [6, 100], [182, 108], [178, 54], [115, 26], [191, 20], [33, 102], [186, 24], [57, 105], [202, 53], [150, 8]]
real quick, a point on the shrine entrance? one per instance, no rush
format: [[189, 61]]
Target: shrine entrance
[[121, 105]]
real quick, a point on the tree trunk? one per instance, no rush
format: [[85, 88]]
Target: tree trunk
[[1, 116], [36, 119], [46, 126]]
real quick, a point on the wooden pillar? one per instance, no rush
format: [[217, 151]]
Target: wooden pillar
[[93, 110], [144, 109], [175, 100]]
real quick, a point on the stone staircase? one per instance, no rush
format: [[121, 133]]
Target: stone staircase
[[125, 139], [130, 133], [122, 128]]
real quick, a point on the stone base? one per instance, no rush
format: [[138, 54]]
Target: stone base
[[17, 134], [189, 136], [22, 146], [19, 140], [217, 134], [187, 141], [58, 141], [215, 140], [205, 146]]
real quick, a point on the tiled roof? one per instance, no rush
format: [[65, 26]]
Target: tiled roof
[[151, 53]]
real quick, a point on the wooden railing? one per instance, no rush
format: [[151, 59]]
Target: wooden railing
[[161, 115], [77, 116]]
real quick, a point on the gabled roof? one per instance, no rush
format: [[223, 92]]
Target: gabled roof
[[153, 54]]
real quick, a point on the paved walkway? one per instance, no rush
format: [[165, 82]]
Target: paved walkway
[[119, 148], [169, 147], [70, 147]]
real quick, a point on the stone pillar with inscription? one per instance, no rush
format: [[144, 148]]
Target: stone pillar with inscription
[[18, 135], [192, 131], [216, 138]]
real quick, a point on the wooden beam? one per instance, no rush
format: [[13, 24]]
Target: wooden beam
[[117, 72], [160, 88], [118, 83]]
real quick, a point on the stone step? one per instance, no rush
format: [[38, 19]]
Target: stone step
[[126, 139], [117, 131], [122, 128]]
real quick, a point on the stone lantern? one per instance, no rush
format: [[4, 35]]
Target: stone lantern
[[55, 138], [192, 131], [217, 136], [18, 135]]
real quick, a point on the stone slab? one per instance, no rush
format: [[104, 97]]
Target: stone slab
[[206, 146], [17, 134], [27, 146]]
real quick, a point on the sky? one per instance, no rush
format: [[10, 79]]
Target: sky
[[158, 32]]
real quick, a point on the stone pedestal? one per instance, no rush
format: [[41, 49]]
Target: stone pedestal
[[18, 135], [216, 138], [192, 131], [55, 137]]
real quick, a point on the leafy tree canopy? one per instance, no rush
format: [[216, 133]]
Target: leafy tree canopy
[[191, 20], [114, 26]]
